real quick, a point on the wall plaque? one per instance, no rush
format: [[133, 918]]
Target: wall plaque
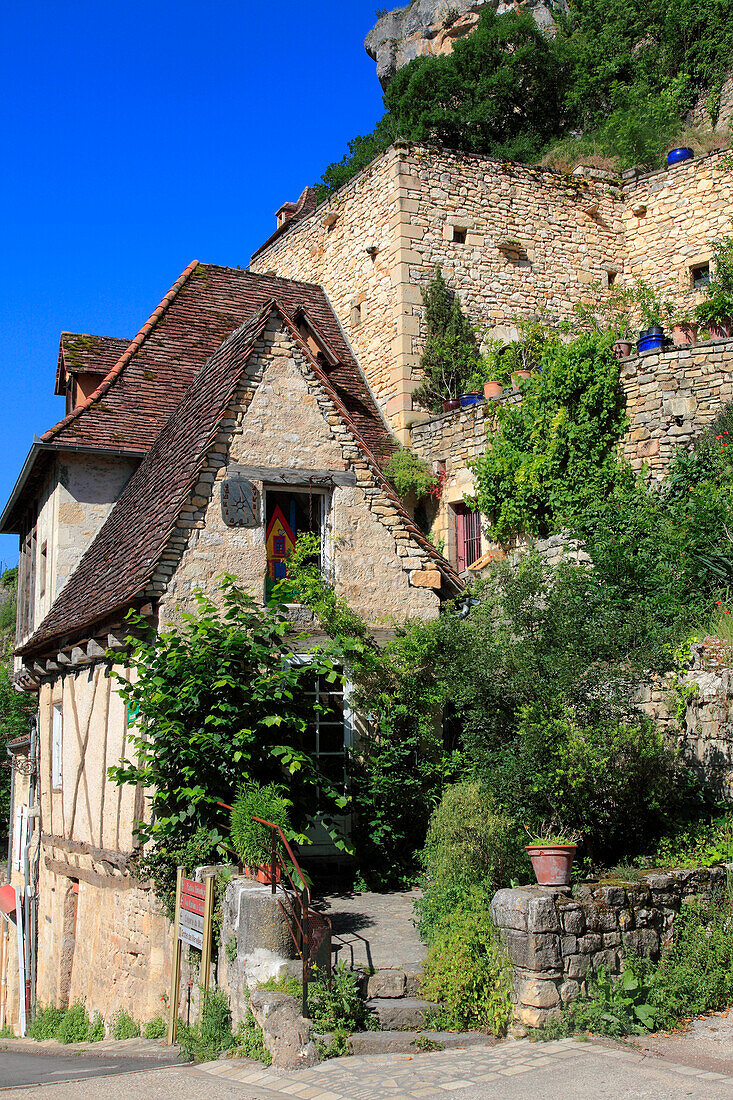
[[240, 502]]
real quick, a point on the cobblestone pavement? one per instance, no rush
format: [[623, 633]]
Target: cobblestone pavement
[[567, 1068]]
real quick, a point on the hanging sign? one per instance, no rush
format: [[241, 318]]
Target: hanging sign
[[239, 503], [192, 926]]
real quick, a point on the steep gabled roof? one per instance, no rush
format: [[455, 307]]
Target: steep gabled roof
[[204, 306], [81, 353], [306, 205], [121, 560]]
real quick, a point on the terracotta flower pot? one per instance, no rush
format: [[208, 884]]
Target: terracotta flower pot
[[720, 330], [518, 376], [492, 389], [622, 349], [451, 403], [684, 334], [552, 863], [262, 874]]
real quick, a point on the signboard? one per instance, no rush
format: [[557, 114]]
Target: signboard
[[192, 926], [240, 503]]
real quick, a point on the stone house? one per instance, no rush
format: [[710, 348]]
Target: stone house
[[255, 405]]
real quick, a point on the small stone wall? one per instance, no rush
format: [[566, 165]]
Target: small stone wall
[[558, 937]]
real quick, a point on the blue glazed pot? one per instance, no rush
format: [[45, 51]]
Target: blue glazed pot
[[676, 156], [472, 398], [650, 343]]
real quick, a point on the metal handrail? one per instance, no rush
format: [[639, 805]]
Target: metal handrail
[[300, 892]]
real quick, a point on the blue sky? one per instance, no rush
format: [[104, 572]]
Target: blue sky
[[139, 136]]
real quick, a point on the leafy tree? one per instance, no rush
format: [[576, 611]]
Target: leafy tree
[[450, 355], [218, 701]]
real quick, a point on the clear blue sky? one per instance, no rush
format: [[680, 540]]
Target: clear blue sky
[[139, 136]]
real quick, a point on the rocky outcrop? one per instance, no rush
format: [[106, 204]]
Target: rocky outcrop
[[428, 28]]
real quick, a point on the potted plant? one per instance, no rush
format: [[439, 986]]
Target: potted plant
[[716, 311], [552, 851], [656, 311], [620, 302], [684, 328], [493, 369], [676, 156], [251, 840], [523, 356], [474, 391]]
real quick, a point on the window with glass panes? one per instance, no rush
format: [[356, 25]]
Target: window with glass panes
[[328, 736]]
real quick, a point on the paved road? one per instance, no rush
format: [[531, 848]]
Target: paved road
[[566, 1070], [21, 1068]]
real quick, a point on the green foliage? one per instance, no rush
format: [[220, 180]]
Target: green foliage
[[410, 474], [656, 311], [704, 843], [253, 842], [46, 1022], [612, 1007], [96, 1029], [466, 969], [450, 355], [469, 844], [218, 704], [339, 1006], [249, 1040], [159, 863], [695, 972], [75, 1025], [291, 986], [556, 450], [123, 1026], [212, 1034], [718, 304], [156, 1028], [613, 781], [613, 82]]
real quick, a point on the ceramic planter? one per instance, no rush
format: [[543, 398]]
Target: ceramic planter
[[471, 398], [684, 334], [622, 349], [552, 863], [493, 389], [676, 156], [650, 342], [451, 403], [262, 874], [518, 376]]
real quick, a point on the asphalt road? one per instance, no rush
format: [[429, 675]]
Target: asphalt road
[[19, 1068]]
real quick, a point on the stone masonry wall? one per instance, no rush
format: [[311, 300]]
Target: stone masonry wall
[[557, 938], [672, 217]]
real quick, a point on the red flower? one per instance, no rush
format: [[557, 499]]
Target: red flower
[[718, 437], [726, 612], [718, 603]]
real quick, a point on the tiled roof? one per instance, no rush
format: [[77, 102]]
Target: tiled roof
[[203, 307], [85, 354], [122, 558], [306, 204]]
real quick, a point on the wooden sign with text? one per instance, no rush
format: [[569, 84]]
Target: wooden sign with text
[[192, 926]]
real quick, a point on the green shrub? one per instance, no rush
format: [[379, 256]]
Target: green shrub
[[97, 1029], [410, 474], [249, 1040], [251, 841], [205, 1040], [339, 1006], [157, 1028], [45, 1023], [695, 972], [466, 969], [450, 356], [468, 844], [75, 1026], [614, 1007], [123, 1026]]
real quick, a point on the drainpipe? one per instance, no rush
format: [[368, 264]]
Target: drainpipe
[[30, 900], [11, 822]]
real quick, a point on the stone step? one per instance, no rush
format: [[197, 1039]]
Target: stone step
[[401, 1013], [391, 983], [400, 1042]]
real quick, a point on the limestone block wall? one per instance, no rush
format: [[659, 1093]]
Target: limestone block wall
[[372, 558], [557, 938], [330, 248], [671, 218]]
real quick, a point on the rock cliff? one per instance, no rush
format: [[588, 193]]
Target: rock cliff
[[427, 28]]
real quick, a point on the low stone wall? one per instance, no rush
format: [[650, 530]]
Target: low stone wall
[[557, 937]]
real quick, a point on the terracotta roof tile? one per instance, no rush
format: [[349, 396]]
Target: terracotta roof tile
[[83, 353], [122, 558]]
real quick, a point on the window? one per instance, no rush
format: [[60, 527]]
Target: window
[[459, 234], [700, 276], [468, 537], [329, 735], [42, 570], [611, 278], [57, 746], [289, 514]]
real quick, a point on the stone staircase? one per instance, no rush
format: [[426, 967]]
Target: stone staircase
[[394, 996]]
